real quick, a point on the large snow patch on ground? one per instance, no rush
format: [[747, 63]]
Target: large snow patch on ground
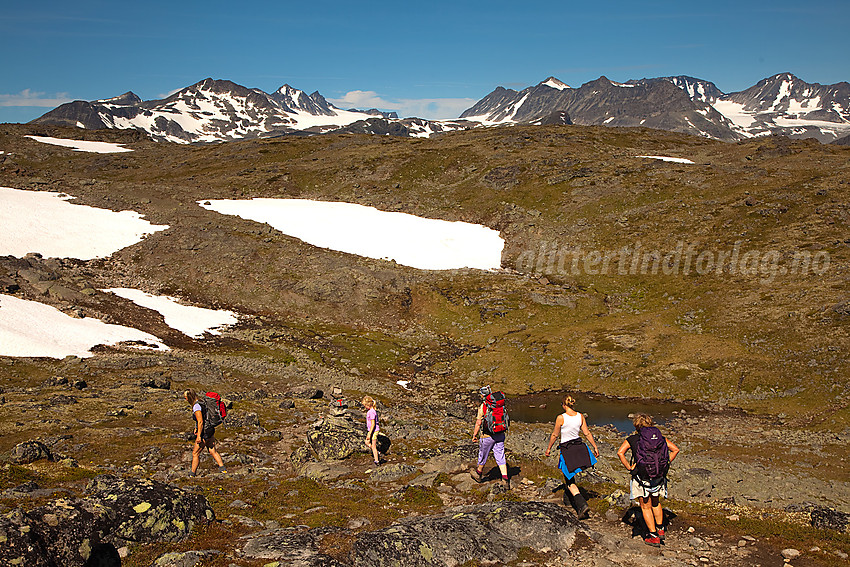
[[83, 145], [29, 328], [189, 320], [45, 222], [428, 244]]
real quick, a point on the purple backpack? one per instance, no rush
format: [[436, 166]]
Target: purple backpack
[[652, 457]]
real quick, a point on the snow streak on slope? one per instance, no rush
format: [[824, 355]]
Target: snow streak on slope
[[428, 244], [29, 328], [82, 145], [45, 222], [189, 320]]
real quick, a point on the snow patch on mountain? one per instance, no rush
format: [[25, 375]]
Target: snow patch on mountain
[[82, 145]]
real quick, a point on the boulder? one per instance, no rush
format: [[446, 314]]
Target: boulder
[[20, 544], [490, 533], [68, 532], [29, 452], [289, 546], [825, 518], [146, 510], [183, 559], [336, 438], [392, 472]]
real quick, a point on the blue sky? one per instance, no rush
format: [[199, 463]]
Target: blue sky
[[430, 59]]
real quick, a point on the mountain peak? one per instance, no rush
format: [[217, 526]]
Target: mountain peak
[[126, 99], [554, 83]]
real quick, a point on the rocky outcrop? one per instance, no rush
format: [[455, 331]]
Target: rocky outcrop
[[146, 510], [29, 452], [492, 532], [88, 531], [489, 533], [338, 437]]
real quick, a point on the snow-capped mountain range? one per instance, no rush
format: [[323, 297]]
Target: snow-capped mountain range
[[220, 110]]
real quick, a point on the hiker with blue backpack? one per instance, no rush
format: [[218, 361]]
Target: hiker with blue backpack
[[575, 456], [492, 422], [207, 416], [652, 454]]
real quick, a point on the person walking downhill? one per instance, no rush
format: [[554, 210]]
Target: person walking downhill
[[575, 455], [652, 454], [204, 433], [372, 427], [490, 440]]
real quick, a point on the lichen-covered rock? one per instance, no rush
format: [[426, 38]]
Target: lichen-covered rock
[[290, 546], [829, 519], [489, 533], [183, 559], [19, 542], [29, 452], [338, 438], [147, 510], [61, 533], [83, 532]]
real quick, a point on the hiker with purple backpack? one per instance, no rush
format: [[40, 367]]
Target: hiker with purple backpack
[[652, 454]]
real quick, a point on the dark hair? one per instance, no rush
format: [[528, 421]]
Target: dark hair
[[569, 401]]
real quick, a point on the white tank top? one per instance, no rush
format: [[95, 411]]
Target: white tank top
[[571, 427]]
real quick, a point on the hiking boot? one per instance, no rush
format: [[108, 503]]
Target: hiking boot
[[653, 540], [476, 476], [581, 507], [661, 532], [222, 469], [507, 482], [584, 512]]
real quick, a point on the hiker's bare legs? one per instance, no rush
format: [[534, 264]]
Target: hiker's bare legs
[[573, 488], [504, 470], [210, 443], [196, 455], [653, 515], [373, 446]]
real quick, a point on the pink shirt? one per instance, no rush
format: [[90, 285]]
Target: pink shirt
[[372, 419]]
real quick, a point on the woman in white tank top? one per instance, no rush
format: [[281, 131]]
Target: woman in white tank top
[[575, 456]]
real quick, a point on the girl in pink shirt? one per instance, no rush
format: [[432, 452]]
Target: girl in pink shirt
[[372, 427]]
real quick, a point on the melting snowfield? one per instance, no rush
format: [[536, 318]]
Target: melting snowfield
[[45, 222], [670, 159], [189, 320], [29, 328], [63, 230], [82, 145], [427, 244]]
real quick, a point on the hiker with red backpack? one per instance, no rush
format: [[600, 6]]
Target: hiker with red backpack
[[207, 412], [575, 455], [492, 422], [652, 454]]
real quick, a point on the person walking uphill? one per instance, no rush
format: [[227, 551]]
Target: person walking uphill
[[492, 422], [575, 455], [652, 454], [204, 432], [372, 427]]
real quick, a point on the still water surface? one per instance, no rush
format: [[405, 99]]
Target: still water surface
[[599, 410]]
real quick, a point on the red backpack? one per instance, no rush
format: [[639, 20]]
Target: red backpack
[[496, 417], [216, 410]]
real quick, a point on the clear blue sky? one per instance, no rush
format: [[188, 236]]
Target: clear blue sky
[[431, 59]]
